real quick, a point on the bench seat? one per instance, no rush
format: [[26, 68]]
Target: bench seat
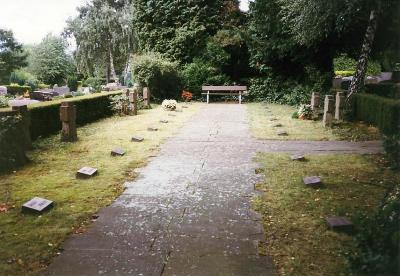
[[224, 91]]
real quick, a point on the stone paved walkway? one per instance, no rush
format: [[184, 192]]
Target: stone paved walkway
[[189, 211]]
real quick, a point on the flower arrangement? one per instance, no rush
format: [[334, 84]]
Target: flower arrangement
[[187, 96], [305, 112], [169, 104]]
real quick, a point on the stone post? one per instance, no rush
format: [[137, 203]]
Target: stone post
[[26, 121], [340, 98], [315, 101], [329, 108], [133, 99], [146, 96], [68, 119]]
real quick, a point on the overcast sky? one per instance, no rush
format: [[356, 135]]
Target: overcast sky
[[31, 20]]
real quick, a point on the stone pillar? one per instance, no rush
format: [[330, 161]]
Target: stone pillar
[[329, 108], [26, 121], [340, 99], [315, 101], [146, 96], [133, 99], [68, 119]]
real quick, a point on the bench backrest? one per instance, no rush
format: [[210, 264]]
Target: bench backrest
[[224, 88]]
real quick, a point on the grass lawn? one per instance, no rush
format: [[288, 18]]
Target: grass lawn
[[260, 116], [293, 215], [28, 242]]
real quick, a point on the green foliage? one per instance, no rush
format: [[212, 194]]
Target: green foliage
[[378, 240], [15, 89], [345, 66], [72, 83], [94, 83], [380, 111], [50, 62], [388, 90], [391, 143], [4, 99], [12, 56], [344, 73], [12, 143], [23, 77], [158, 73], [274, 89], [199, 73]]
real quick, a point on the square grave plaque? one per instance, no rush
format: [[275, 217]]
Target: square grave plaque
[[37, 205], [137, 139], [152, 129], [277, 125], [164, 121], [312, 181], [298, 157], [86, 172], [282, 133], [171, 115], [118, 152], [185, 106], [273, 119], [340, 224]]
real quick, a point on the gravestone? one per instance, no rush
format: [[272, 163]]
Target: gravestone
[[329, 107], [340, 101], [86, 172], [137, 139], [117, 152], [185, 106], [273, 119], [164, 121], [152, 129], [68, 119], [3, 90], [278, 125], [282, 133], [315, 101], [146, 96], [61, 90], [133, 99], [340, 224], [37, 205], [171, 115], [298, 157], [312, 181]]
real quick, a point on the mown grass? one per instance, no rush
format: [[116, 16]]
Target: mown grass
[[297, 237], [28, 242], [260, 116]]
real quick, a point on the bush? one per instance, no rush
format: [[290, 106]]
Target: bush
[[379, 111], [72, 83], [378, 240], [16, 89], [199, 73], [159, 74], [275, 89], [344, 73], [95, 83], [120, 104], [389, 90], [346, 63], [12, 143], [4, 99], [391, 143]]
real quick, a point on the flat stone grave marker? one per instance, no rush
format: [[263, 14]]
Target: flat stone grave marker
[[185, 106], [137, 139], [37, 205], [172, 115], [340, 224], [118, 152], [164, 121], [278, 125], [273, 119], [152, 129], [312, 181], [86, 172], [282, 133], [298, 157]]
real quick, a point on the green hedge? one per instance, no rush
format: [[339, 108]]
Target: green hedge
[[379, 111], [389, 90], [17, 89], [45, 118], [12, 143]]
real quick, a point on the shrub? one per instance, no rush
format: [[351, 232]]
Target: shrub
[[72, 83], [4, 99], [346, 63], [95, 83], [15, 89], [187, 96], [389, 90], [391, 143], [380, 111], [159, 74], [377, 243], [120, 104], [344, 73], [305, 112], [12, 143], [169, 104]]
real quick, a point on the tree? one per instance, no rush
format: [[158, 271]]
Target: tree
[[105, 37], [50, 62], [12, 55]]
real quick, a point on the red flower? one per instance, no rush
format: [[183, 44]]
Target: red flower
[[187, 96]]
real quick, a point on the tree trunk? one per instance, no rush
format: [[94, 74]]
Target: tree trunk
[[358, 80], [112, 68]]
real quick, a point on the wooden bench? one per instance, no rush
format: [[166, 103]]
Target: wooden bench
[[224, 91]]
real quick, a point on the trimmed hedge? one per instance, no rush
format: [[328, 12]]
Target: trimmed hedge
[[389, 90], [379, 111], [45, 117], [17, 89]]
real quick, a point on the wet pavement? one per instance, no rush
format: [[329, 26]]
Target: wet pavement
[[189, 212]]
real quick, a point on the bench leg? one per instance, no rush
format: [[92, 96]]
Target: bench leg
[[240, 98], [208, 97]]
